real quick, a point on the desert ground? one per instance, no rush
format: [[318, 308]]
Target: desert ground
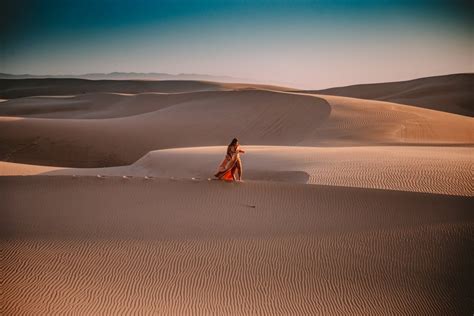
[[355, 201]]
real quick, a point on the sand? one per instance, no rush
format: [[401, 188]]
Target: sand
[[349, 206], [174, 247], [258, 117], [439, 169], [449, 93]]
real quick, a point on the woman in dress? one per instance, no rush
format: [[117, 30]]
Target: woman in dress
[[231, 166]]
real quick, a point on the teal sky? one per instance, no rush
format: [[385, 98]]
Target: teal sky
[[307, 44]]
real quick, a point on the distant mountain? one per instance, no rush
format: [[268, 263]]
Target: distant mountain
[[449, 93], [133, 76]]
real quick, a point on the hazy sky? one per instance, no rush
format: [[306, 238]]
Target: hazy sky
[[308, 44]]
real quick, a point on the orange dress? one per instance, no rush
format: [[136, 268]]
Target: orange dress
[[228, 165]]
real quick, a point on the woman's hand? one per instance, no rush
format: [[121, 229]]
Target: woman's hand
[[241, 151]]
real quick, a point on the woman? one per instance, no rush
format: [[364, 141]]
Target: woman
[[231, 166]]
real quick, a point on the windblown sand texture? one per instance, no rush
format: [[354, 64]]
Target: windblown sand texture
[[349, 206]]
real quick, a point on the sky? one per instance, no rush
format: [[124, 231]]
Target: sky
[[298, 43]]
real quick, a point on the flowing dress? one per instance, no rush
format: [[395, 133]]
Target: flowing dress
[[230, 164]]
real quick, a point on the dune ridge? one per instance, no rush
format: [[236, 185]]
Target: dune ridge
[[210, 118]]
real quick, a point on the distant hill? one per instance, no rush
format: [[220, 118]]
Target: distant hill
[[20, 88], [449, 93], [131, 76]]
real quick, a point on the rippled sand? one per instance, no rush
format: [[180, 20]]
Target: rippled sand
[[108, 246]]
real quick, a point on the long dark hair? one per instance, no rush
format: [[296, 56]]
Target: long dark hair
[[232, 143]]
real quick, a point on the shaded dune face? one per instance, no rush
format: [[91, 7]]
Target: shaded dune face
[[96, 105], [18, 88], [450, 93], [87, 106]]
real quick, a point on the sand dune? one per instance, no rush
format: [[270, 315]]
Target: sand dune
[[443, 170], [356, 121], [438, 169], [108, 246], [212, 118], [450, 93], [18, 88], [350, 206]]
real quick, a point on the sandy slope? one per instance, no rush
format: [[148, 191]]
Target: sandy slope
[[212, 118], [450, 93], [89, 106], [108, 246], [18, 88], [444, 170], [15, 169]]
